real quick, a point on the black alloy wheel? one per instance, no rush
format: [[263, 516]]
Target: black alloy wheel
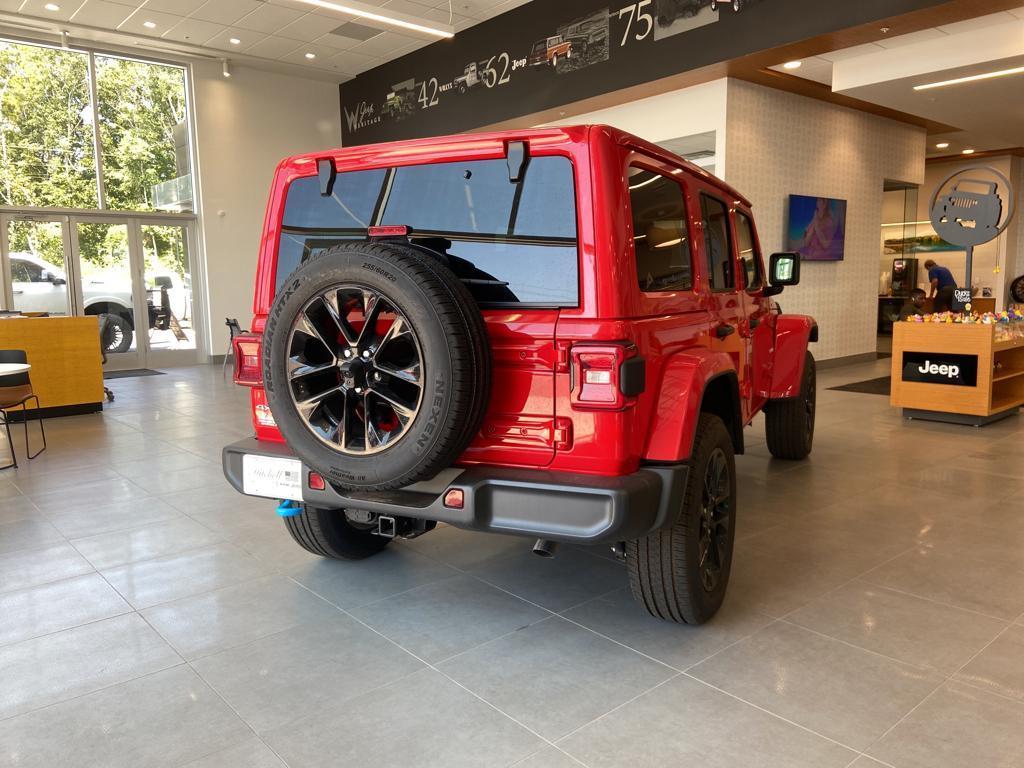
[[355, 369], [715, 521]]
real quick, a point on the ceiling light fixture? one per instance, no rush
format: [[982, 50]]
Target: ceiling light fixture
[[792, 65], [942, 145], [310, 55], [373, 14], [149, 24], [52, 7], [235, 41], [968, 151], [225, 68], [970, 78]]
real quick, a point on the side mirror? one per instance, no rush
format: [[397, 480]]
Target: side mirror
[[783, 270], [55, 280]]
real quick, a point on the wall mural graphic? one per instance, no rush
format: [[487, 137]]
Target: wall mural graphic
[[550, 52]]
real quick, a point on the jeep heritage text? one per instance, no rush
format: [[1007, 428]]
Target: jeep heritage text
[[556, 333]]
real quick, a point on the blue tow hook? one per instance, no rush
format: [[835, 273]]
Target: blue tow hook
[[289, 508]]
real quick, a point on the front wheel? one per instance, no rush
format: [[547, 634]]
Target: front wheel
[[680, 572], [789, 424], [714, 5], [328, 533]]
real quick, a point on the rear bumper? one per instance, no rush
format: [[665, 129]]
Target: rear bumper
[[561, 506]]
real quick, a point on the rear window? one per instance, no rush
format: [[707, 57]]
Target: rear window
[[510, 243]]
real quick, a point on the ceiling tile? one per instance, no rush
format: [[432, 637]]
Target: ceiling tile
[[269, 18], [225, 11], [66, 11], [383, 45], [849, 53], [298, 55], [437, 15], [308, 27], [272, 47], [100, 13], [246, 38], [136, 23], [354, 63], [179, 7], [193, 31], [352, 30], [911, 38], [979, 22]]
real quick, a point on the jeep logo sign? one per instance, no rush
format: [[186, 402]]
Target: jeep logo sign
[[929, 368]]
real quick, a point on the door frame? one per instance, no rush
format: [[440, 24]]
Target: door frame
[[69, 218]]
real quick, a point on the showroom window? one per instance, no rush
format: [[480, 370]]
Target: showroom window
[[749, 255], [660, 238], [716, 244], [51, 125]]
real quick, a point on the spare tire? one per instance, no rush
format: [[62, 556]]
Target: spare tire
[[1017, 289], [384, 403]]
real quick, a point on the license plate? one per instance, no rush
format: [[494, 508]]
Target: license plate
[[273, 477]]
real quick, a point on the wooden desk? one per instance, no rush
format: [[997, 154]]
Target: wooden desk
[[64, 353], [988, 383]]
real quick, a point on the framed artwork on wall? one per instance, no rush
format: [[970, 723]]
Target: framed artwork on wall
[[817, 228]]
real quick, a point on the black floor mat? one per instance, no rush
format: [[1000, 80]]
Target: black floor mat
[[131, 373], [879, 386]]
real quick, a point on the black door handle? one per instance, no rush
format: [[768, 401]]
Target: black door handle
[[725, 330], [754, 322]]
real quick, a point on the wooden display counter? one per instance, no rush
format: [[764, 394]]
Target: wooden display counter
[[64, 352], [961, 373]]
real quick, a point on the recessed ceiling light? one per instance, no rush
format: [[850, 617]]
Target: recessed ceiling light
[[968, 152], [792, 65], [149, 24], [374, 14], [52, 7], [234, 41], [971, 78], [942, 145], [310, 55]]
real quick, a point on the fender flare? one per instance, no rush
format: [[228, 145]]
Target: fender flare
[[685, 379], [792, 335]]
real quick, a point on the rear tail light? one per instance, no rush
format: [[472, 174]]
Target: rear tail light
[[317, 482], [454, 498], [248, 362], [388, 230], [606, 376]]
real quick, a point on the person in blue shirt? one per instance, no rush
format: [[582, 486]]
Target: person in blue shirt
[[942, 286]]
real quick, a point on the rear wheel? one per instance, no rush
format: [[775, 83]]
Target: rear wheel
[[117, 334], [680, 573], [789, 424], [326, 532]]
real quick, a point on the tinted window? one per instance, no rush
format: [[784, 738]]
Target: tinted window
[[350, 205], [660, 238], [746, 245], [510, 243], [476, 198], [716, 244]]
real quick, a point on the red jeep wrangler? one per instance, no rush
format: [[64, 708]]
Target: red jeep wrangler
[[556, 333]]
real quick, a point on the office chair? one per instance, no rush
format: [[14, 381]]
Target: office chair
[[16, 389]]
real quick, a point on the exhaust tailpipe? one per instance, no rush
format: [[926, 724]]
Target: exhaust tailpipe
[[545, 548]]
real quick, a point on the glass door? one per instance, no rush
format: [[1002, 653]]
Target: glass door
[[36, 264], [106, 259], [167, 250]]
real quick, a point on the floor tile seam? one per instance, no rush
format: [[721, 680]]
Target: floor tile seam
[[554, 614], [129, 609], [145, 559], [932, 600], [854, 646], [92, 570], [776, 715], [945, 680], [105, 687], [440, 672], [688, 668]]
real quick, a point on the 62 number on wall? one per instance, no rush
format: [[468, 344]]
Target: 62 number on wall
[[638, 19]]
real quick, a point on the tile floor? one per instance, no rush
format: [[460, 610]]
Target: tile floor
[[151, 616]]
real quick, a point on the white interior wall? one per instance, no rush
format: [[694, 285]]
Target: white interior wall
[[670, 115], [778, 144], [245, 125]]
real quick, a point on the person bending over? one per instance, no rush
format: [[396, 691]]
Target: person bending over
[[942, 286]]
